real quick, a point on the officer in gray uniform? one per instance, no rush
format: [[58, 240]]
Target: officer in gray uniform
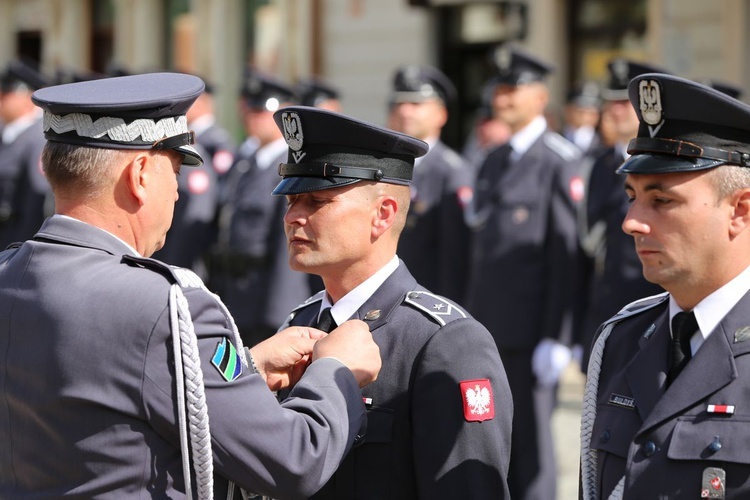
[[664, 413], [434, 243], [249, 268], [524, 246], [24, 192], [439, 415], [124, 377]]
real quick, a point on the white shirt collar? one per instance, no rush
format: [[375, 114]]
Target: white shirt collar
[[202, 123], [522, 140], [352, 301], [268, 153], [12, 130], [710, 311], [431, 141], [135, 252]]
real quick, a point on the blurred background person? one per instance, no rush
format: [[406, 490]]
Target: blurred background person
[[524, 247], [434, 242], [191, 233], [25, 195], [248, 266], [315, 92], [609, 269], [487, 133], [581, 118]]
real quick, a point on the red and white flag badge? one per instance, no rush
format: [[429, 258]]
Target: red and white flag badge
[[577, 189], [198, 182], [479, 404]]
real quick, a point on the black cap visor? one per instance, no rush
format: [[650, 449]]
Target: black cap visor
[[664, 164], [297, 185]]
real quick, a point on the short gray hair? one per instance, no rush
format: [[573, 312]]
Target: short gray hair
[[85, 169], [728, 179]]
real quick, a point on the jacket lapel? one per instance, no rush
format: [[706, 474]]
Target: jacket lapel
[[376, 310], [647, 372], [712, 368]]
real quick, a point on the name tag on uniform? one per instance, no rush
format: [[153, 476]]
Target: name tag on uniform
[[624, 401]]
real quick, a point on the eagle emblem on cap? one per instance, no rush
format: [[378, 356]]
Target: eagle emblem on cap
[[503, 58], [621, 71], [292, 130], [649, 97]]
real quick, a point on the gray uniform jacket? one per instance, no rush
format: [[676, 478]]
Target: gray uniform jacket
[[24, 189], [419, 443], [524, 244], [88, 410], [435, 240], [661, 439]]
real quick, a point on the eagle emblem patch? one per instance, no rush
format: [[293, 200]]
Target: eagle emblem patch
[[649, 98], [292, 130], [478, 401]]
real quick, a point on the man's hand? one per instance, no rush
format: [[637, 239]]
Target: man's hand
[[352, 344], [282, 359]]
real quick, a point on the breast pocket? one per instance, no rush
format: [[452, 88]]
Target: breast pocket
[[614, 430], [714, 439]]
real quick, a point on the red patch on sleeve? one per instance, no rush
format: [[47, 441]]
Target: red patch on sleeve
[[577, 189], [479, 404], [198, 182]]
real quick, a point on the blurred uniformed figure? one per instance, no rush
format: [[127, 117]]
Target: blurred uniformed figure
[[439, 415], [249, 266], [609, 268], [113, 362], [24, 192], [487, 133], [315, 92], [664, 409], [191, 233], [434, 243], [728, 88], [582, 111], [523, 261]]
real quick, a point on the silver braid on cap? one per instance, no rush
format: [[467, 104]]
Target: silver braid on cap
[[589, 457], [115, 128]]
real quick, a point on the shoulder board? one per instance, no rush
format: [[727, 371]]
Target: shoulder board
[[183, 277], [453, 159], [440, 309], [311, 300], [559, 144], [638, 307]]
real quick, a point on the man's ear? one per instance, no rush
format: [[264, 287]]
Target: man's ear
[[137, 176], [740, 218], [386, 215]]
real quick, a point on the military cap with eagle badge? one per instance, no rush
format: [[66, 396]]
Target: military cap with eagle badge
[[685, 126]]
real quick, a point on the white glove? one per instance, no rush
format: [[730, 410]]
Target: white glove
[[550, 358]]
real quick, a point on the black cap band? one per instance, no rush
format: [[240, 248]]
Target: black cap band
[[674, 147], [328, 170]]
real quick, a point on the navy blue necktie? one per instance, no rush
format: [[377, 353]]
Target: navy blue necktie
[[684, 326], [326, 321]]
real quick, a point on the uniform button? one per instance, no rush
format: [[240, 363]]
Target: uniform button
[[358, 438], [715, 445], [414, 295], [604, 438], [649, 448]]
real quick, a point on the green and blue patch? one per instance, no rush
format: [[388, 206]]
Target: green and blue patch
[[227, 360]]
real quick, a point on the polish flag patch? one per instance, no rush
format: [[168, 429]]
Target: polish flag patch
[[198, 182], [577, 189], [479, 404]]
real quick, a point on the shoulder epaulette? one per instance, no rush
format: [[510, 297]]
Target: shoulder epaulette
[[638, 306], [311, 300], [440, 309], [560, 145], [183, 277]]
